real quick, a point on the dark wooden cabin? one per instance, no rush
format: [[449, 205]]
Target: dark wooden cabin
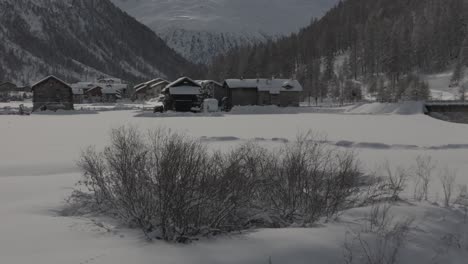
[[280, 92], [6, 88], [94, 95], [52, 93], [182, 95]]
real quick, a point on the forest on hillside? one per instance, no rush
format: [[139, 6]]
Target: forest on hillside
[[381, 44]]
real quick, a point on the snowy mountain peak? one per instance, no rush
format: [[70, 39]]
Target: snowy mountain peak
[[246, 16], [200, 29]]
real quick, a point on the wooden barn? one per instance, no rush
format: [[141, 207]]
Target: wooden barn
[[52, 93], [182, 95], [94, 95], [280, 92]]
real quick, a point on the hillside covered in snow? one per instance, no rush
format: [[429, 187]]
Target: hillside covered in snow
[[203, 28], [79, 39]]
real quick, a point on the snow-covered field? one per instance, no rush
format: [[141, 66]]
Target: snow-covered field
[[37, 172], [88, 107]]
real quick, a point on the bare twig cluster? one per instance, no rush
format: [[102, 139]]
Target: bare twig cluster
[[380, 241], [422, 176]]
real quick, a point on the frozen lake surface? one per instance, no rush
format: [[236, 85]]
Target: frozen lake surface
[[37, 171]]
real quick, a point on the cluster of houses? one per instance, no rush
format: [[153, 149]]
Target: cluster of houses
[[10, 92], [182, 94], [105, 90], [52, 93]]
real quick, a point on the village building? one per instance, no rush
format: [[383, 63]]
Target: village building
[[213, 89], [97, 92], [26, 89], [110, 94], [94, 94], [11, 92], [182, 95], [150, 89], [109, 80], [6, 89], [52, 93], [79, 90], [78, 95], [280, 92], [113, 89]]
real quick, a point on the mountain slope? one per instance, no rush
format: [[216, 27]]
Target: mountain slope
[[79, 39], [377, 41], [200, 29]]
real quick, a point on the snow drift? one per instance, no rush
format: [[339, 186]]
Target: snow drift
[[402, 108]]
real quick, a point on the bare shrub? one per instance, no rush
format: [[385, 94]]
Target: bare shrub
[[374, 190], [396, 180], [462, 201], [448, 242], [238, 186], [380, 241], [173, 188], [447, 178], [422, 176], [160, 182], [379, 218], [307, 179]]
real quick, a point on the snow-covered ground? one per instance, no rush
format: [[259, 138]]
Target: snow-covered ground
[[124, 105], [37, 172], [439, 85]]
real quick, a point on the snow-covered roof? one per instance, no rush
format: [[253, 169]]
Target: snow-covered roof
[[159, 83], [110, 80], [47, 78], [107, 88], [83, 85], [149, 84], [203, 82], [188, 90], [116, 86], [185, 81], [139, 86], [94, 88], [9, 83], [77, 91], [274, 86]]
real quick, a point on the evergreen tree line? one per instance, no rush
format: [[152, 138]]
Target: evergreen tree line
[[381, 44]]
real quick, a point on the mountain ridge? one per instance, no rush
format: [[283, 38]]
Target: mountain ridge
[[79, 40]]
